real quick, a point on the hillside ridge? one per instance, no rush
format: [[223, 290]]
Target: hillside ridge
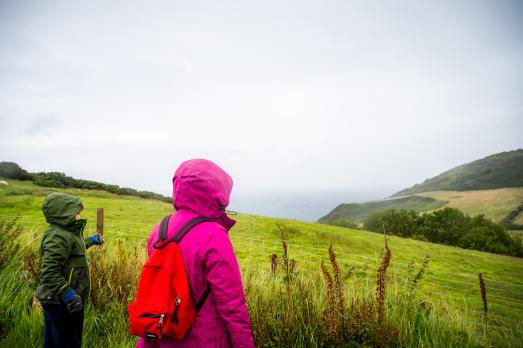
[[504, 169], [492, 185]]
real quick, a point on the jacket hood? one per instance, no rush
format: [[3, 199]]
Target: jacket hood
[[61, 209], [204, 188]]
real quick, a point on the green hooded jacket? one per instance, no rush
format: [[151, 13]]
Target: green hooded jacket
[[62, 252]]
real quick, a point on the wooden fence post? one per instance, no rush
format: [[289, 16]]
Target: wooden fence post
[[100, 221]]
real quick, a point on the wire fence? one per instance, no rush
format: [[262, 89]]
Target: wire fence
[[256, 254], [462, 289]]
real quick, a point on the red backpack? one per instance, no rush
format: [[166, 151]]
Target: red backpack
[[163, 307]]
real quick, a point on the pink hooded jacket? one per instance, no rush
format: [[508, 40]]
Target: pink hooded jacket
[[201, 188]]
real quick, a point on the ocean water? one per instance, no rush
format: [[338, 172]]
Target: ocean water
[[305, 206]]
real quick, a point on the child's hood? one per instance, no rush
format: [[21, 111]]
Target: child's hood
[[61, 208]]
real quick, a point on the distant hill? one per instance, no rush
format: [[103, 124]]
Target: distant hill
[[504, 169], [494, 204], [492, 186], [357, 212]]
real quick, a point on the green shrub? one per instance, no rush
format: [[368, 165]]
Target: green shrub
[[447, 226], [12, 170]]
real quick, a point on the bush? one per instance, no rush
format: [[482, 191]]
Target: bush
[[12, 170], [447, 226], [60, 180], [398, 222], [52, 179]]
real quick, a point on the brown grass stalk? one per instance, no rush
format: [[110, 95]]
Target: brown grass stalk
[[338, 284], [274, 264], [329, 318], [381, 278]]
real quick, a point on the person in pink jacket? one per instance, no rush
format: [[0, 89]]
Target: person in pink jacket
[[202, 188]]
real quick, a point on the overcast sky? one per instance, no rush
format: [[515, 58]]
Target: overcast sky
[[289, 96]]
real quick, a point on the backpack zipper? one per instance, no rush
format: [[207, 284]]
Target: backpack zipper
[[153, 316], [177, 304], [160, 322]]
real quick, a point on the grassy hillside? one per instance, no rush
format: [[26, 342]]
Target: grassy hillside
[[503, 169], [357, 212], [448, 286], [131, 218], [495, 204], [25, 198]]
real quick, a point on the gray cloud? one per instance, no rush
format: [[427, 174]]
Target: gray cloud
[[44, 125]]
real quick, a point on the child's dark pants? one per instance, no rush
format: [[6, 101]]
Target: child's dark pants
[[62, 329]]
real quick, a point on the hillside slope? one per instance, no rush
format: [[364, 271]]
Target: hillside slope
[[358, 212], [504, 169], [492, 186], [494, 204]]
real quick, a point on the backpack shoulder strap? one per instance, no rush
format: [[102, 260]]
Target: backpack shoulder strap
[[202, 300], [162, 236], [163, 228], [187, 227]]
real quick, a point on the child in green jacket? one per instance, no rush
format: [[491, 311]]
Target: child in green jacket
[[64, 274]]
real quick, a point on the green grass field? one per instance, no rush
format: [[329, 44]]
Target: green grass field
[[449, 285], [495, 204]]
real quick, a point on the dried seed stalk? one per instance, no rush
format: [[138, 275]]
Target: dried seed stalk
[[380, 283], [274, 263]]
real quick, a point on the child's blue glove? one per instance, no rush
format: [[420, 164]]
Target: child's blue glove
[[96, 239], [73, 301]]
